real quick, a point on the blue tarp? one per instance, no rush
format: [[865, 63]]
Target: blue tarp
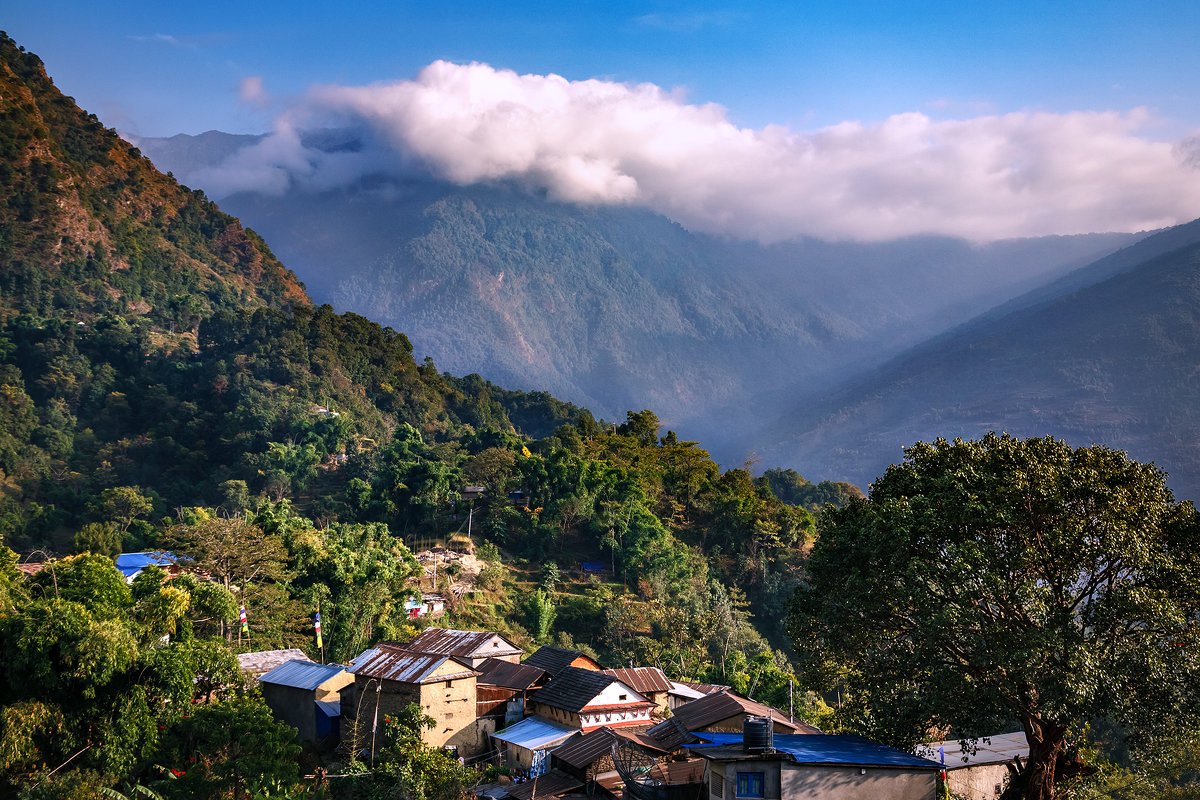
[[131, 564], [827, 748], [592, 566]]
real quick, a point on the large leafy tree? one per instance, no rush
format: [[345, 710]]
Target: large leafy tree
[[1008, 579]]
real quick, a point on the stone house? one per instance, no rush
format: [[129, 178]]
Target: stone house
[[586, 699], [387, 678]]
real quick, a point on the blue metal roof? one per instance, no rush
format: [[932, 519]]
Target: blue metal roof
[[824, 748], [330, 708], [131, 564], [302, 674]]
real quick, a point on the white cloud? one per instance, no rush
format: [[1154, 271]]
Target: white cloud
[[593, 141]]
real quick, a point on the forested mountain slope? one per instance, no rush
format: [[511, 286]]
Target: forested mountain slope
[[617, 308], [1107, 355], [91, 227]]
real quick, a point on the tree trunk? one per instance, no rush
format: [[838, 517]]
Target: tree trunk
[[1045, 744]]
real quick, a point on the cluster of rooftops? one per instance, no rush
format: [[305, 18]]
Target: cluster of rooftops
[[564, 724]]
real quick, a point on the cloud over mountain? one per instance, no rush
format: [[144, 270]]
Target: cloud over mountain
[[601, 142]]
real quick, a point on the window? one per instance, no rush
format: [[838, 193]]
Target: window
[[622, 697], [749, 784]]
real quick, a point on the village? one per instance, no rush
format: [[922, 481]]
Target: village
[[562, 726]]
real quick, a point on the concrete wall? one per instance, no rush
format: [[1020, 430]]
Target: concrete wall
[[852, 783], [730, 769], [982, 782]]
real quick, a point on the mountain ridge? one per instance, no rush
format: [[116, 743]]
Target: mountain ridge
[[1101, 355], [616, 308]]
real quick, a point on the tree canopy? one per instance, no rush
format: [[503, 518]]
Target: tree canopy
[[1007, 579]]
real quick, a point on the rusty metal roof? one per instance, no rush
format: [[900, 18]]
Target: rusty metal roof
[[582, 749], [711, 709], [465, 644], [642, 679], [391, 663], [495, 672], [553, 784], [670, 734]]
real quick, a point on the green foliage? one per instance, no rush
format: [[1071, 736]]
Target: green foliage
[[1006, 578], [407, 769], [231, 748]]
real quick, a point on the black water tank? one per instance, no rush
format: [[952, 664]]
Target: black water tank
[[758, 735]]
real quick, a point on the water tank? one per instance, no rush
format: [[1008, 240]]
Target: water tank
[[758, 735]]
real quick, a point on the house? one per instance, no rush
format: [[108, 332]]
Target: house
[[817, 766], [501, 691], [555, 659], [526, 745], [726, 711], [685, 692], [650, 682], [430, 605], [469, 647], [586, 699], [981, 775], [306, 695], [589, 756], [261, 662], [387, 678]]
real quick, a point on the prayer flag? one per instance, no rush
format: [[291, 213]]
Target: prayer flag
[[317, 626], [245, 626]]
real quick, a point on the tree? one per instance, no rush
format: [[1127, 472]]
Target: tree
[[1006, 578], [121, 505]]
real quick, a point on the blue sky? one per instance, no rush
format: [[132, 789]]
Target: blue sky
[[159, 68], [762, 120]]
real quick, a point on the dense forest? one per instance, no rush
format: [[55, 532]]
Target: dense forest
[[166, 384]]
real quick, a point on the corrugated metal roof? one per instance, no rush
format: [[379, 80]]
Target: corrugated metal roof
[[573, 688], [266, 660], [553, 784], [495, 672], [704, 688], [582, 749], [302, 674], [555, 659], [533, 733], [683, 690], [391, 663], [711, 709], [642, 679], [995, 750], [670, 734], [468, 644], [823, 748]]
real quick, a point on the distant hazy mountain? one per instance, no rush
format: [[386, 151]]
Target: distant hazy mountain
[[1108, 354], [620, 308]]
